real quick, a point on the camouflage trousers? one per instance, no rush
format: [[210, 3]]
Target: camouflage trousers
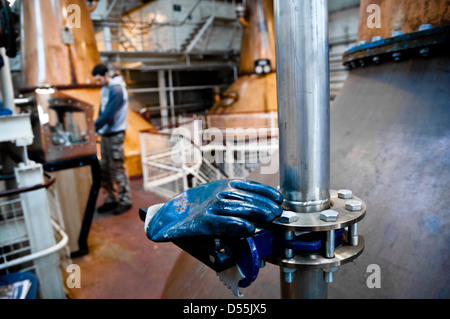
[[113, 170]]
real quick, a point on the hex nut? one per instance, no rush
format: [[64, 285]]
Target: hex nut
[[424, 27], [424, 52], [329, 274], [345, 193], [288, 217], [329, 215], [353, 205], [377, 38]]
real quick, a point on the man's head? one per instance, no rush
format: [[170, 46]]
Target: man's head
[[100, 74]]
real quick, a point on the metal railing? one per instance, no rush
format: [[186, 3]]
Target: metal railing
[[16, 241]]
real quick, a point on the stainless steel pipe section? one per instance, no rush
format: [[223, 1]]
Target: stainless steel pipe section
[[306, 283], [301, 28]]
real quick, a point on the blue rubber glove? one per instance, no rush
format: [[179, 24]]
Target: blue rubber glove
[[226, 208]]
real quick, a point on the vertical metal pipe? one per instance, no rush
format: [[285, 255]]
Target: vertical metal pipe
[[306, 284], [163, 98], [6, 83], [301, 28], [301, 32], [107, 39], [173, 119]]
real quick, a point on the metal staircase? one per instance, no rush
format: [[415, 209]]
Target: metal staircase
[[197, 34], [122, 39], [200, 35]]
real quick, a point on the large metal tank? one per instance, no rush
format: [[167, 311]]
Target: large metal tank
[[58, 54], [58, 43], [383, 18], [59, 50], [390, 144], [253, 95]]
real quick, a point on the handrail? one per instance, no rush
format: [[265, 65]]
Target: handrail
[[46, 184], [61, 244], [156, 131]]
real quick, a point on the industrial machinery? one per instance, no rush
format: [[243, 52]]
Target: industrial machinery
[[59, 52], [389, 142], [305, 228], [58, 56], [249, 105], [63, 126], [31, 240], [249, 101]]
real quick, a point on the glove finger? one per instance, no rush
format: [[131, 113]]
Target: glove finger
[[245, 210], [258, 200], [259, 188], [228, 226], [203, 226]]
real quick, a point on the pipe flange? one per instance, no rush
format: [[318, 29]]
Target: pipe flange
[[393, 49], [343, 254], [349, 213]]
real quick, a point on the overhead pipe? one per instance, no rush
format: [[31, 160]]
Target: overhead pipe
[[92, 5]]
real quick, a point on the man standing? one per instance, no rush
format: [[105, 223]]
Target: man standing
[[111, 125]]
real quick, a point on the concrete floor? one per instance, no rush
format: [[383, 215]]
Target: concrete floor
[[122, 263]]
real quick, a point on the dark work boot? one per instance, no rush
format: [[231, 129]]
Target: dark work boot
[[121, 208], [107, 207]]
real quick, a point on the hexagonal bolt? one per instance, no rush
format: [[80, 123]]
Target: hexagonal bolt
[[424, 27], [330, 244], [397, 56], [353, 234], [328, 277], [345, 193], [377, 38], [353, 205], [288, 252], [288, 217], [288, 275], [424, 52], [329, 215], [328, 274], [289, 235]]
